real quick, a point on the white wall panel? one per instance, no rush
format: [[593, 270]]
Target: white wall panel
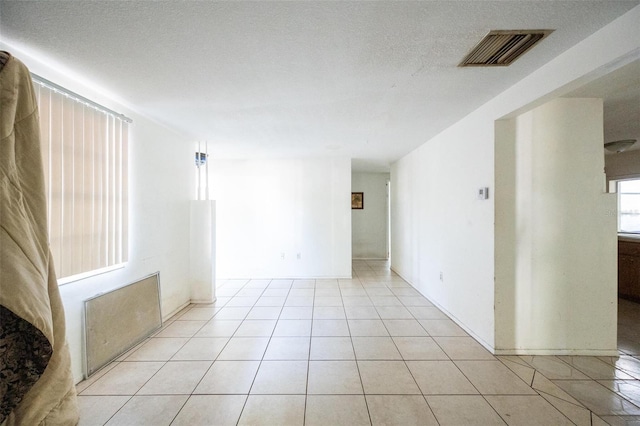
[[283, 218]]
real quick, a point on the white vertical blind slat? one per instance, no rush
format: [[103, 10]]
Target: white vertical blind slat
[[112, 191], [100, 201], [87, 182], [67, 232], [55, 182], [125, 192], [118, 192], [78, 195], [97, 192]]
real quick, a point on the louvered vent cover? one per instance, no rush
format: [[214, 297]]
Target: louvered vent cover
[[501, 48]]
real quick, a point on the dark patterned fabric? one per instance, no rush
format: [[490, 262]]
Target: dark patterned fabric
[[18, 372]]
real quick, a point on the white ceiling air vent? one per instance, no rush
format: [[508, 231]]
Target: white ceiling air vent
[[500, 48]]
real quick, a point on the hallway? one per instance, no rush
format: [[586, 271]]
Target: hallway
[[369, 350]]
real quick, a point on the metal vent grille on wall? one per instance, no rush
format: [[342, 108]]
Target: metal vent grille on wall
[[501, 47], [116, 321]]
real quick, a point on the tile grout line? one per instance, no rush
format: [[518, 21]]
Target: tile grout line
[[476, 388], [306, 388], [208, 369], [409, 369], [355, 358], [587, 379], [118, 410], [244, 406]]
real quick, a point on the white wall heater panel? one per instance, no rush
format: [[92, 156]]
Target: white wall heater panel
[[116, 321]]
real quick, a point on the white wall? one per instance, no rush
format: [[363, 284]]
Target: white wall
[[438, 225], [369, 226], [160, 186], [270, 209], [556, 284]]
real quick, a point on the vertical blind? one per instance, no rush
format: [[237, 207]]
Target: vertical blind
[[84, 153]]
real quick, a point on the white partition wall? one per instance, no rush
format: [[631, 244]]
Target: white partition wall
[[556, 284], [202, 251]]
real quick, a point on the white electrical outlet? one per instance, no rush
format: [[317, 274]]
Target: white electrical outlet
[[299, 256], [441, 276], [282, 255]]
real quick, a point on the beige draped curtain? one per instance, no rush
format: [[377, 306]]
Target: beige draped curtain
[[36, 384]]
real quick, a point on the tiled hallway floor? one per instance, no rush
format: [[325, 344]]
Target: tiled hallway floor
[[369, 350]]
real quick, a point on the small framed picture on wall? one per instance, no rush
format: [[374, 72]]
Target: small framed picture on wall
[[357, 200]]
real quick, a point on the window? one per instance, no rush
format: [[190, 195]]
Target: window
[[84, 149], [629, 206]]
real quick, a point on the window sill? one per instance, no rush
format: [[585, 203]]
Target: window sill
[[85, 275]]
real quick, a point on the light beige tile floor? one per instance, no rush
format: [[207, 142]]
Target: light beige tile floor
[[360, 351]]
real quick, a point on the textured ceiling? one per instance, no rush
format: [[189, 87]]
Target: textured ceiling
[[368, 80]]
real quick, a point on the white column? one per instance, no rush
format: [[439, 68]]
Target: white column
[[556, 284], [202, 264]]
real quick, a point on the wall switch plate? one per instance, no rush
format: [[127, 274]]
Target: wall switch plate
[[483, 193]]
